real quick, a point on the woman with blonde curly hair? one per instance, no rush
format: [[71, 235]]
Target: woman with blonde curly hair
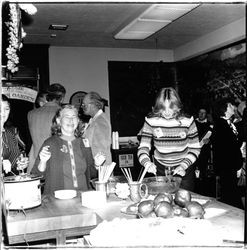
[[64, 158], [174, 137]]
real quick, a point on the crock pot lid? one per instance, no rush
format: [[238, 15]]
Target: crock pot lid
[[24, 178]]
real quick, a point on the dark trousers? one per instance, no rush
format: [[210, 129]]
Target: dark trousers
[[230, 193], [188, 181]]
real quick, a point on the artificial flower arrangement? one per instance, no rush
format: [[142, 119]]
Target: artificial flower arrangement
[[16, 33]]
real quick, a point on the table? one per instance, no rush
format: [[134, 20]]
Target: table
[[54, 219], [59, 219]]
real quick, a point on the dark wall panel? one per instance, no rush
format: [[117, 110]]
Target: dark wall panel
[[133, 87]]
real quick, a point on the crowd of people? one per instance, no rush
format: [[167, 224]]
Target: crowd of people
[[190, 148], [64, 147]]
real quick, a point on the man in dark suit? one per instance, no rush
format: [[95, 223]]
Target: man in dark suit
[[204, 159], [227, 158]]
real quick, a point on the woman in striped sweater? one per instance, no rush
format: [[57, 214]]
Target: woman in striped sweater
[[174, 137]]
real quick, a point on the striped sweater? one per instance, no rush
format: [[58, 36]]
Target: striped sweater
[[175, 142]]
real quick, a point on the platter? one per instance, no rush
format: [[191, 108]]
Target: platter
[[125, 210], [65, 194]]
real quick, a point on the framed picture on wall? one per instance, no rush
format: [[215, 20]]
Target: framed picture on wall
[[77, 98]]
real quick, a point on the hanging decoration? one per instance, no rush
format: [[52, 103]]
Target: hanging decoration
[[16, 33]]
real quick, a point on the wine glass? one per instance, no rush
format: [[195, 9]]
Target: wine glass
[[168, 173], [21, 159]]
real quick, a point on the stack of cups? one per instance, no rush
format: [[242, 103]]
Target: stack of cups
[[115, 140]]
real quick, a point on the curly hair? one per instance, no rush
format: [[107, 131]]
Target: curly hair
[[56, 128], [172, 96]]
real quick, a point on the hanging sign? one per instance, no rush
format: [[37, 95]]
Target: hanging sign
[[21, 93]]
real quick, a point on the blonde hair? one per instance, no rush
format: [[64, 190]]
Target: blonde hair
[[172, 96]]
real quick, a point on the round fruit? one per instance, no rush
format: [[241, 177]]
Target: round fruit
[[182, 196], [195, 210], [150, 215], [132, 208], [164, 209], [145, 207], [162, 197], [180, 212]]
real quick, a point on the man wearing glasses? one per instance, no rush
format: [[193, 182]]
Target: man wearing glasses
[[98, 129]]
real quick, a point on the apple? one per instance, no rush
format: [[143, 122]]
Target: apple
[[132, 208], [182, 196], [195, 209], [180, 212], [145, 207], [150, 215], [162, 197], [164, 209]]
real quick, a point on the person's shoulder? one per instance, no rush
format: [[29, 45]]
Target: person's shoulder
[[35, 111], [52, 139], [151, 119], [187, 118], [12, 130], [102, 119], [32, 111], [103, 116], [155, 121]]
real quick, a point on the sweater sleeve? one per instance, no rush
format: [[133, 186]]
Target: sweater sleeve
[[144, 148], [194, 147]]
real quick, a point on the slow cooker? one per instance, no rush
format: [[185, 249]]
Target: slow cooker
[[22, 191]]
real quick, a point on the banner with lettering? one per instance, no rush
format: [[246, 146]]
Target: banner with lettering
[[21, 93]]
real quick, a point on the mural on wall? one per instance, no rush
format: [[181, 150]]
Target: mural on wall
[[200, 81], [229, 80], [212, 76]]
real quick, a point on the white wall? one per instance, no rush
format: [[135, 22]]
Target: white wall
[[86, 69]]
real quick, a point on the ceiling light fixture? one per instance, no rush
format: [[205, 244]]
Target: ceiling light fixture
[[58, 27], [153, 19]]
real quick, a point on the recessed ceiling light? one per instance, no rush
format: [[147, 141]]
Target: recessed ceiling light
[[153, 19], [58, 27]]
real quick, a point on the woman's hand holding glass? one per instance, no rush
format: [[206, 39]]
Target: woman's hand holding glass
[[22, 163]]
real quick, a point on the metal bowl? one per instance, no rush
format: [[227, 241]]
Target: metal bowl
[[161, 184], [111, 184]]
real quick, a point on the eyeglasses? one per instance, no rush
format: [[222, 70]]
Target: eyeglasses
[[83, 105]]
